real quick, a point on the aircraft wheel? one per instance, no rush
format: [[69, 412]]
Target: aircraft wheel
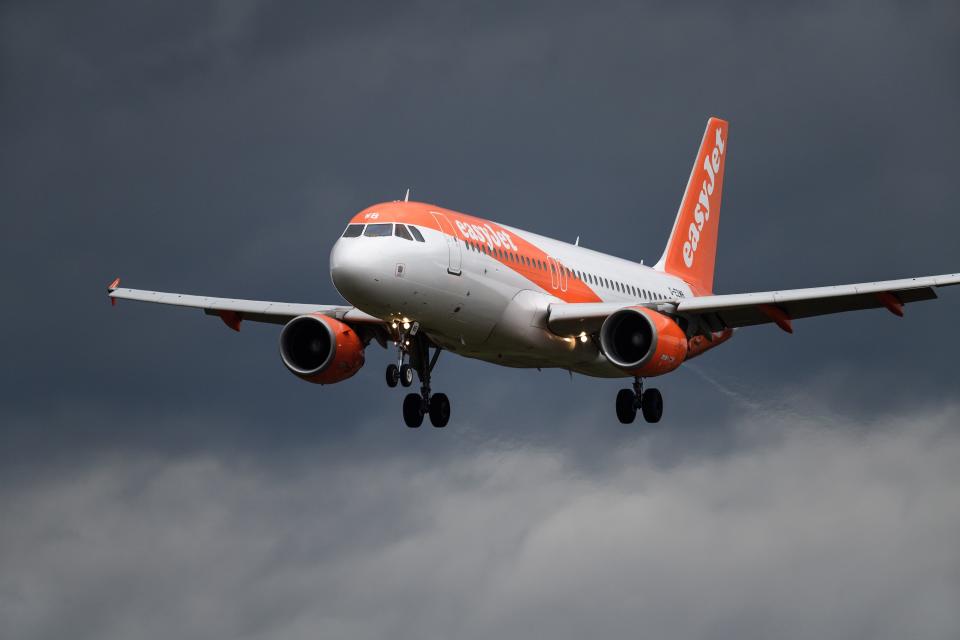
[[626, 406], [413, 410], [652, 405], [393, 375], [439, 410], [406, 375]]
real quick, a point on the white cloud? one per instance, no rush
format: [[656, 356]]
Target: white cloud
[[816, 531]]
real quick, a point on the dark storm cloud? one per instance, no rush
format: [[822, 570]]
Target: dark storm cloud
[[219, 148]]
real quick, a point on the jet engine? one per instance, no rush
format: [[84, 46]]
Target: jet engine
[[320, 349], [643, 342]]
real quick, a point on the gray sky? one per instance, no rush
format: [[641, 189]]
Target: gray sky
[[162, 476]]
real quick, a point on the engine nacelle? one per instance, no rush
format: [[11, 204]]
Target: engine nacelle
[[320, 349], [643, 342]]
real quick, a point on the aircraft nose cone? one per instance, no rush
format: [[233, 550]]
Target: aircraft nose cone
[[354, 272]]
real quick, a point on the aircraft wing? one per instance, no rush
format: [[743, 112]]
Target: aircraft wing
[[233, 311], [716, 313]]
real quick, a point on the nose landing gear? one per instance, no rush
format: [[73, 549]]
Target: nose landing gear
[[418, 405], [401, 372], [393, 375], [650, 403]]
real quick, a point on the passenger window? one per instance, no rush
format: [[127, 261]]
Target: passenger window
[[401, 232], [416, 233], [379, 230], [352, 230]]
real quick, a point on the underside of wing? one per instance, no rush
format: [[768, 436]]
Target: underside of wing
[[781, 307], [232, 311], [707, 314]]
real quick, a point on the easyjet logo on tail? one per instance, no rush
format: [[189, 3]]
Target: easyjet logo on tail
[[691, 252], [701, 213]]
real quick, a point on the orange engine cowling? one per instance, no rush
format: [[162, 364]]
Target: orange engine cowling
[[643, 342], [321, 350]]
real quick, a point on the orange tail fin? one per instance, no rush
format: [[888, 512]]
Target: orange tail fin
[[692, 249]]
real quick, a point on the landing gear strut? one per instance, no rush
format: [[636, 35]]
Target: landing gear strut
[[417, 405], [401, 372], [650, 403]]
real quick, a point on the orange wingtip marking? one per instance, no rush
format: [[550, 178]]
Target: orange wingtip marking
[[892, 303], [778, 315]]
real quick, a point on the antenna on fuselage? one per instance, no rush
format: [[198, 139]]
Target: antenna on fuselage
[[577, 243], [406, 198]]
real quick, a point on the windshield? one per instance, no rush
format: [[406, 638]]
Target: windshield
[[378, 230], [353, 230]]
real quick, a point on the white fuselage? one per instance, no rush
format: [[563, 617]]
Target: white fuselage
[[483, 306]]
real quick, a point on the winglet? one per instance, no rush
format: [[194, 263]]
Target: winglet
[[111, 288]]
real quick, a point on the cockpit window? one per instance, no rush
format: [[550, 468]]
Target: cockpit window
[[353, 230], [401, 232], [416, 234], [379, 230]]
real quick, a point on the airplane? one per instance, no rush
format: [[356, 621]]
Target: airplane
[[428, 279]]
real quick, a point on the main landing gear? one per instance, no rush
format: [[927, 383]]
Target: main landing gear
[[650, 403], [417, 405], [416, 346]]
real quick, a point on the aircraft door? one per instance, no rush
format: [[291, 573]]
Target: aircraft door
[[454, 258]]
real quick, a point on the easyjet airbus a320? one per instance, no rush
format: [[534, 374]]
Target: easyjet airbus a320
[[428, 279]]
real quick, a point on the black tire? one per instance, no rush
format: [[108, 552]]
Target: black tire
[[652, 405], [393, 375], [413, 410], [439, 410], [626, 406], [406, 375]]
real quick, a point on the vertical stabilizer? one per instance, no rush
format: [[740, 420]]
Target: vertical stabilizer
[[692, 249]]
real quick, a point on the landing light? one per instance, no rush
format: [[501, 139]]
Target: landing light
[[583, 337], [406, 325]]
